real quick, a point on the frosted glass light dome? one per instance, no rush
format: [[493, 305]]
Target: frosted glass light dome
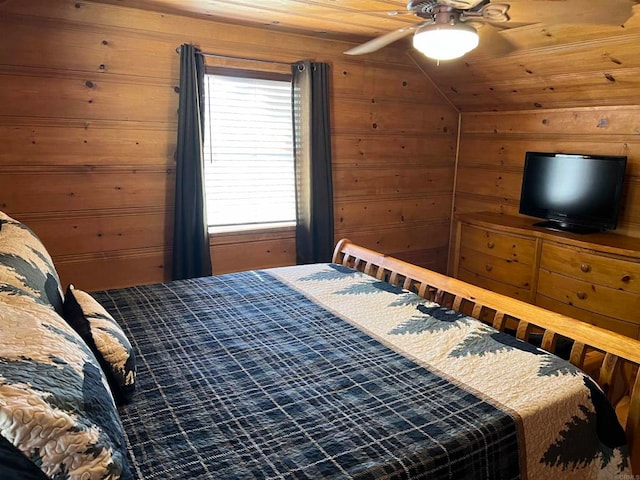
[[445, 41]]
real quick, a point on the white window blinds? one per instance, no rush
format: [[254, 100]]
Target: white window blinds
[[248, 148]]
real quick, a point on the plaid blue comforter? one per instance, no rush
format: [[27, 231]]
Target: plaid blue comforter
[[262, 375]]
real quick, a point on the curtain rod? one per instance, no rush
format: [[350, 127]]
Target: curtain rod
[[232, 57]]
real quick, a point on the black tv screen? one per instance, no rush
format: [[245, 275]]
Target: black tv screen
[[579, 193]]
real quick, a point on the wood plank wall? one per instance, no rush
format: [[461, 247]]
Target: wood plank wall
[[88, 126], [493, 145]]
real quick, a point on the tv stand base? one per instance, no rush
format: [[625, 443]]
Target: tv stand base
[[566, 227]]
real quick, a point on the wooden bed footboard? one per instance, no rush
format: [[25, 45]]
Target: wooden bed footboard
[[610, 358]]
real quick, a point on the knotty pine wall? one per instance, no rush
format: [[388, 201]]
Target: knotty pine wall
[[493, 145], [88, 136]]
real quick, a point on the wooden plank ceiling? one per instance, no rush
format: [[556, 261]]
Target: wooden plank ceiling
[[571, 60]]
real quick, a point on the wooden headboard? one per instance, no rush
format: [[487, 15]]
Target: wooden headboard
[[610, 358]]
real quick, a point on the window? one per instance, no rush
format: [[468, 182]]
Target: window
[[248, 152]]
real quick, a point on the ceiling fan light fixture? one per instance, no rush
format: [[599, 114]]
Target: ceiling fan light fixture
[[445, 41]]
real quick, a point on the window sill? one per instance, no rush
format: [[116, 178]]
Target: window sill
[[251, 233], [250, 228]]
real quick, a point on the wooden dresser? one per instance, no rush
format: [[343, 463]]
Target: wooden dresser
[[594, 277]]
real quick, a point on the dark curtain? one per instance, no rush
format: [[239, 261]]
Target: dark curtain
[[191, 257], [312, 141]]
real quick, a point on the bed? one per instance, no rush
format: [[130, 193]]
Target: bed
[[367, 367]]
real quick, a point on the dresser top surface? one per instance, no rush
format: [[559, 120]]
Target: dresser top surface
[[608, 242]]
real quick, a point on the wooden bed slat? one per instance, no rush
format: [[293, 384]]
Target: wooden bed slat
[[499, 321], [439, 296], [477, 311], [457, 303], [578, 353], [632, 424], [549, 341], [523, 331], [617, 374], [613, 380]]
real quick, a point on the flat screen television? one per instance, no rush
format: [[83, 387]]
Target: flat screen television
[[572, 192]]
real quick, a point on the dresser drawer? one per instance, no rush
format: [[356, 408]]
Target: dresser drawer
[[629, 329], [502, 245], [591, 267], [589, 296], [500, 269], [523, 294]]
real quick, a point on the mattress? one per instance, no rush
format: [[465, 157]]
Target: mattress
[[319, 371]]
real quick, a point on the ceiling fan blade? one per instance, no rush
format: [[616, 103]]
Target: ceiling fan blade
[[600, 12], [382, 41], [491, 41]]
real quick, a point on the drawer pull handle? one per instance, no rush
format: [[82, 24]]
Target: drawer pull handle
[[488, 267], [626, 278], [581, 295], [585, 267], [490, 244]]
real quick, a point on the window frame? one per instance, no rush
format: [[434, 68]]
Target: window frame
[[249, 229]]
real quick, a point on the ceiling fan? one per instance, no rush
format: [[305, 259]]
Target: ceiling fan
[[450, 27]]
